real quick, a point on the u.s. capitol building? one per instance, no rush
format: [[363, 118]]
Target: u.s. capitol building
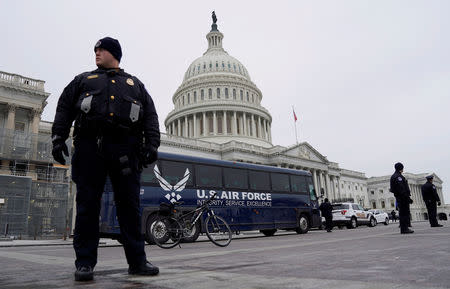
[[218, 114]]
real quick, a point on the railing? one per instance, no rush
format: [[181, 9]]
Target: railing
[[20, 81]]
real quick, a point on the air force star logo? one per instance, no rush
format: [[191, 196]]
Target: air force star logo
[[399, 179], [173, 191]]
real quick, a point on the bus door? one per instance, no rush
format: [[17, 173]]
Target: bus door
[[314, 203]]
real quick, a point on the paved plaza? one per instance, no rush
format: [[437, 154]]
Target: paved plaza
[[372, 258]]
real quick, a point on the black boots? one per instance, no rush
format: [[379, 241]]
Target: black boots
[[408, 231], [144, 269], [84, 273]]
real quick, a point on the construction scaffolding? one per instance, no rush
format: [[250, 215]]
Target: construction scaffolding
[[36, 193]]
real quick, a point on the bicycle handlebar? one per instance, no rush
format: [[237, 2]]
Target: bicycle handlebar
[[211, 198]]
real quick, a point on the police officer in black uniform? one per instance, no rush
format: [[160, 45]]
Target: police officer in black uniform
[[327, 213], [402, 193], [116, 132], [431, 197]]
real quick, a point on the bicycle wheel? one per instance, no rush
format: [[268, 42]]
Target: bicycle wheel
[[166, 232], [218, 230]]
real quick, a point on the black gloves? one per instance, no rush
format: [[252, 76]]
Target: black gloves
[[149, 155], [59, 147]]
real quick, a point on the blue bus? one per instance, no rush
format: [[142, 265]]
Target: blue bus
[[250, 197]]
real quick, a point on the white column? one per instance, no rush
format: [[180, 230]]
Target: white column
[[339, 187], [234, 124], [245, 123], [259, 127], [315, 182], [195, 125], [186, 132], [270, 132], [327, 184], [173, 128], [253, 124], [10, 121], [204, 123], [36, 118], [214, 123], [265, 128], [224, 126], [179, 126]]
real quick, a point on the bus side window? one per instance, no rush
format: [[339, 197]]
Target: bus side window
[[259, 181], [208, 176], [280, 182], [312, 191], [148, 175], [173, 172], [235, 178], [298, 185]]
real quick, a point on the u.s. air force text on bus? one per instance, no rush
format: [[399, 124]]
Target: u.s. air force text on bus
[[240, 199]]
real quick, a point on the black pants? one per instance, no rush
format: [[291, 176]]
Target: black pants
[[432, 212], [329, 223], [404, 214], [90, 166]]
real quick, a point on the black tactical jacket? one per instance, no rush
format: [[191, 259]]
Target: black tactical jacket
[[399, 186], [107, 102], [429, 192]]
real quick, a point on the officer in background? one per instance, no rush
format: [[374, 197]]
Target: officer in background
[[116, 132], [402, 193], [327, 213], [394, 216], [431, 197]]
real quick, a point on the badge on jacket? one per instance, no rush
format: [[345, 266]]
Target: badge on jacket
[[399, 179], [130, 81]]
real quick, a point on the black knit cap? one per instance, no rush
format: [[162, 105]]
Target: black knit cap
[[398, 166], [110, 44]]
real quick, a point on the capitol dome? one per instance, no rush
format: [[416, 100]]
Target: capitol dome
[[217, 101]]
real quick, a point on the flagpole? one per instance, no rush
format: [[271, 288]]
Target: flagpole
[[295, 125]]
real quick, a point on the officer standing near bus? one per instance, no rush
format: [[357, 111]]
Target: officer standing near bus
[[402, 193], [116, 132], [431, 197], [327, 213]]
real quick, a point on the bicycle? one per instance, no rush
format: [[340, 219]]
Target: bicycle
[[170, 230]]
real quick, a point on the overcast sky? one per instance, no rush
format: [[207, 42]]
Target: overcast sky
[[369, 80]]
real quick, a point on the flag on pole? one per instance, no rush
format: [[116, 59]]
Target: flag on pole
[[295, 116]]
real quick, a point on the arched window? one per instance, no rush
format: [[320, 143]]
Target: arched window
[[234, 93], [218, 92], [189, 98], [195, 96], [210, 93], [242, 95], [226, 92], [248, 99], [202, 94]]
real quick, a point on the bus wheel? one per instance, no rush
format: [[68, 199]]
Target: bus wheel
[[303, 225], [268, 232], [148, 228]]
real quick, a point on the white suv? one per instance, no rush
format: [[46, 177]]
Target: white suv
[[381, 216], [352, 215]]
